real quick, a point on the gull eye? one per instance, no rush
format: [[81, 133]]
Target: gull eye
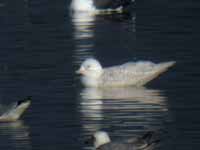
[[88, 66]]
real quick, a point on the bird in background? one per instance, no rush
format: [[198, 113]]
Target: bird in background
[[102, 141], [14, 111], [101, 6]]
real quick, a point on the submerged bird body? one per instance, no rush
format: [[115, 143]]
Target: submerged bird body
[[148, 141], [117, 146], [14, 111], [132, 73]]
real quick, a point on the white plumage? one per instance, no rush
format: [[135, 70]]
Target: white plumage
[[82, 5], [128, 74]]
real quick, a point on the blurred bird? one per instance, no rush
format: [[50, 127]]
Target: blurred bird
[[100, 6], [14, 111], [102, 141]]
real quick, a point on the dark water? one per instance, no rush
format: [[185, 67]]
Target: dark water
[[42, 45]]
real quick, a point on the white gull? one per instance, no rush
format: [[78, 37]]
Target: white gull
[[128, 74]]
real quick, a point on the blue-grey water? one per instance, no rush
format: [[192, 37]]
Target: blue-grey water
[[41, 46]]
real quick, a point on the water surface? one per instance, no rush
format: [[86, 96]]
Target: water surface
[[42, 45]]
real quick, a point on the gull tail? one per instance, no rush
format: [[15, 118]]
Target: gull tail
[[165, 66], [153, 138], [157, 70], [15, 111]]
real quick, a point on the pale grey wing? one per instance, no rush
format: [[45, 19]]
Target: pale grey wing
[[117, 146], [131, 73], [115, 76]]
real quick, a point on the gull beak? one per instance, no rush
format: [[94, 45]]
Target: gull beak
[[80, 71]]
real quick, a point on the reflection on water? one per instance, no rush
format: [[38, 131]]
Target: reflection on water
[[132, 93], [17, 134], [83, 35], [88, 29], [127, 111]]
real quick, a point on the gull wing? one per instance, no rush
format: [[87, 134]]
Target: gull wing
[[131, 73]]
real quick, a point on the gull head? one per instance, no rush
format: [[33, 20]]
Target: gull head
[[90, 68], [101, 138]]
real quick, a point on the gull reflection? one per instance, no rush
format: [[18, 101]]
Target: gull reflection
[[134, 22], [17, 134], [142, 95], [129, 109], [83, 24]]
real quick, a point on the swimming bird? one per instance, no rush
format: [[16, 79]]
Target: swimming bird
[[14, 111], [128, 74], [102, 141], [100, 5]]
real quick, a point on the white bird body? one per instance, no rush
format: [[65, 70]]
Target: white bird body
[[128, 74]]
